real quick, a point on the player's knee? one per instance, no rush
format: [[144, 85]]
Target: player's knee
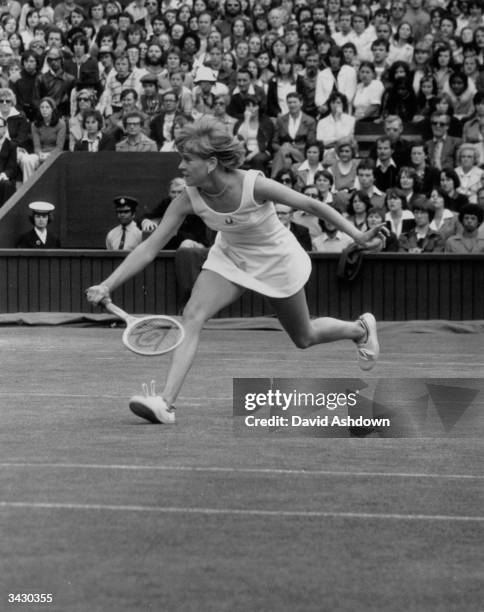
[[303, 341], [193, 315]]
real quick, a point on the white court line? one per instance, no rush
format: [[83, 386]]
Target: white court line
[[229, 470], [243, 512], [91, 395]]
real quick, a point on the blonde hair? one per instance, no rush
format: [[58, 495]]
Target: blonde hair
[[207, 137]]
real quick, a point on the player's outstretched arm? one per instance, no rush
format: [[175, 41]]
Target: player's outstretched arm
[[144, 253], [267, 189]]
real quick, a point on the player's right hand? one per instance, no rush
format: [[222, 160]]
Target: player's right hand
[[372, 238], [96, 293], [148, 226]]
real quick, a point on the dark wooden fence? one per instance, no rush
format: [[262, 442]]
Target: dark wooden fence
[[393, 286], [82, 185]]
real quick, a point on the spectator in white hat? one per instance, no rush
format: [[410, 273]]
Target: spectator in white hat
[[39, 237], [206, 89]]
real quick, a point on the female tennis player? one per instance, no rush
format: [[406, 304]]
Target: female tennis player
[[253, 250]]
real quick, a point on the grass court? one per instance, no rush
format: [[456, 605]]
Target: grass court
[[109, 513]]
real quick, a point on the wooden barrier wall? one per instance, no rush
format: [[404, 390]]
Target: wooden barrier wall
[[82, 187], [393, 286]]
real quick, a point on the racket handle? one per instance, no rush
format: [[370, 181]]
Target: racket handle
[[115, 310]]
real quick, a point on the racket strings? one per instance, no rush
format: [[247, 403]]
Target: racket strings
[[153, 335]]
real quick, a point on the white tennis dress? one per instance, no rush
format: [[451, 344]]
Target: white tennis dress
[[252, 248]]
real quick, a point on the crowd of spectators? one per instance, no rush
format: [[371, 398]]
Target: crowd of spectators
[[292, 79]]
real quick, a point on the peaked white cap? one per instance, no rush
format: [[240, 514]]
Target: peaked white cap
[[41, 207]]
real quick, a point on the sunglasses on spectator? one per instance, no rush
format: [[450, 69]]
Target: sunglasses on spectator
[[84, 99], [131, 123], [219, 103], [5, 101], [440, 123]]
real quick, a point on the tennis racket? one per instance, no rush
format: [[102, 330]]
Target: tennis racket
[[150, 335]]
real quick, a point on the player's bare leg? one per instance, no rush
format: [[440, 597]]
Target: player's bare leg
[[210, 294], [293, 313]]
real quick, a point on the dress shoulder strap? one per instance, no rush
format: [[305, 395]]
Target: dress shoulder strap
[[248, 187]]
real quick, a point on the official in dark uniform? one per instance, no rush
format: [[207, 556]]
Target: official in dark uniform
[[39, 237], [126, 236]]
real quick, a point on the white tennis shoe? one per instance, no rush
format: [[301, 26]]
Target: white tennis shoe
[[368, 348], [152, 407]]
